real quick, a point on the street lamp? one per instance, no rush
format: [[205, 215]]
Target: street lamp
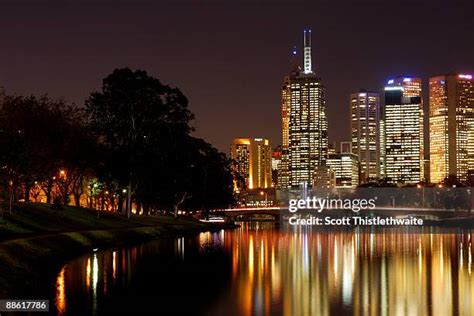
[[10, 189], [62, 174]]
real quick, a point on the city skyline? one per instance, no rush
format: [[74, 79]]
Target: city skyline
[[220, 42], [387, 140], [276, 157]]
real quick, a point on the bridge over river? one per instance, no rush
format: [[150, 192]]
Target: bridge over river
[[275, 212]]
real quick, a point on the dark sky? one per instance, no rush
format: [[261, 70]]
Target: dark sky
[[230, 57]]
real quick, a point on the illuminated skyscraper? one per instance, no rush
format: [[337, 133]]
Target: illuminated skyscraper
[[276, 161], [365, 132], [382, 143], [451, 126], [304, 123], [345, 165], [252, 162], [403, 122]]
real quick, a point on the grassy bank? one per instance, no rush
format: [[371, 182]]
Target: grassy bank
[[36, 239]]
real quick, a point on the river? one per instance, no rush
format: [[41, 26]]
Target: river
[[262, 269]]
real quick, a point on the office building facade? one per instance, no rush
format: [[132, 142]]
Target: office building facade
[[451, 114], [403, 131], [365, 132], [252, 163]]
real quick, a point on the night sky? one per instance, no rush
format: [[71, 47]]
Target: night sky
[[230, 59]]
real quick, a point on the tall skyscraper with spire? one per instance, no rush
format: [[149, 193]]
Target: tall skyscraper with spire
[[304, 123]]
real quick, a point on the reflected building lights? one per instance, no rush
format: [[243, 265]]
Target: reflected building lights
[[180, 247], [95, 280], [368, 274], [307, 272], [114, 265], [61, 292], [88, 273]]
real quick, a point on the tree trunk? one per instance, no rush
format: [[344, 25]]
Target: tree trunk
[[102, 202], [48, 196], [77, 199], [112, 202], [146, 209], [139, 207], [27, 191], [178, 203], [129, 197], [49, 188], [120, 203], [65, 198], [90, 198]]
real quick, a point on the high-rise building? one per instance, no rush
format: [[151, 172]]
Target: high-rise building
[[382, 143], [304, 123], [252, 163], [276, 160], [451, 119], [365, 132], [403, 131], [345, 165], [324, 178]]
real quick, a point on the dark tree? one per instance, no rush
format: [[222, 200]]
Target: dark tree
[[39, 137], [212, 178], [142, 122], [31, 139], [145, 126]]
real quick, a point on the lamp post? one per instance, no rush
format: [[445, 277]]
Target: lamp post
[[10, 190]]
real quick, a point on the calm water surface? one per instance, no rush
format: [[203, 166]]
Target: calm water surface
[[260, 269]]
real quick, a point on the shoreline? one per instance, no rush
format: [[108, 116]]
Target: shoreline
[[32, 260]]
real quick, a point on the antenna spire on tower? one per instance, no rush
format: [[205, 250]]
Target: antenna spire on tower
[[307, 52]]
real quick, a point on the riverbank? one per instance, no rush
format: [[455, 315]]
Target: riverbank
[[36, 239]]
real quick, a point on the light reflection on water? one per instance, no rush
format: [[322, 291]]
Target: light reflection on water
[[302, 273], [61, 292]]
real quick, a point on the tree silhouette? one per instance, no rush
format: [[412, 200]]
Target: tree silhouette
[[146, 127]]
